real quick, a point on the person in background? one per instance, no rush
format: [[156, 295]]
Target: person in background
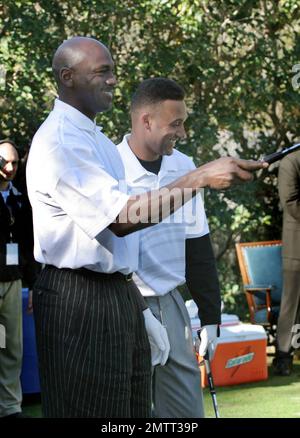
[[17, 265], [173, 252], [289, 314]]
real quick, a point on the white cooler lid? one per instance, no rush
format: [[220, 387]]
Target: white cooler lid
[[229, 319], [232, 330], [237, 332], [241, 332]]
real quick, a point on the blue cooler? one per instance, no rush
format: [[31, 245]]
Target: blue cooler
[[30, 374]]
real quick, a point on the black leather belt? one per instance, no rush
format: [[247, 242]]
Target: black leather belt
[[93, 274]]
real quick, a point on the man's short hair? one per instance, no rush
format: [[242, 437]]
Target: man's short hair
[[154, 90]]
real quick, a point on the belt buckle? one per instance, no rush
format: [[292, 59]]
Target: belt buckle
[[128, 277]]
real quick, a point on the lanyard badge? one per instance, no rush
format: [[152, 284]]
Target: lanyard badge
[[12, 254]]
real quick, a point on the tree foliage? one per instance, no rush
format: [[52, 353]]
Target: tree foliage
[[233, 57]]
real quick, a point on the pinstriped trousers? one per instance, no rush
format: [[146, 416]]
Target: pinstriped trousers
[[94, 354]]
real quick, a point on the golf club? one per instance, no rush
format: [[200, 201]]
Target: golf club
[[280, 154], [210, 379]]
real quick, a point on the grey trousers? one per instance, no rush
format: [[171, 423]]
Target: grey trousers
[[289, 309], [11, 355], [177, 391]]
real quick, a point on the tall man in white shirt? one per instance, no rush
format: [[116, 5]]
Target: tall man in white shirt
[[176, 251], [90, 318]]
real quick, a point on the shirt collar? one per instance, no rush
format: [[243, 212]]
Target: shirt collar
[[79, 119], [168, 164], [9, 187], [134, 169]]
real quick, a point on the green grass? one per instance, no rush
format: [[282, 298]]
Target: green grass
[[277, 397]]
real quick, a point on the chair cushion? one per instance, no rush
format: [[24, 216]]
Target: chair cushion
[[264, 266]]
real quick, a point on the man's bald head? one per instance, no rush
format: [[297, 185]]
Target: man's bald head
[[72, 52], [84, 71], [8, 151]]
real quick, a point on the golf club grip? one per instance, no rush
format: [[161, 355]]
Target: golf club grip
[[211, 387], [279, 155], [273, 157], [206, 356], [210, 378]]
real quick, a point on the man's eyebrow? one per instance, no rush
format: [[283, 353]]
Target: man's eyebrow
[[180, 119], [104, 67]]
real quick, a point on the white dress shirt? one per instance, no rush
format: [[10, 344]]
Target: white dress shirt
[[76, 188], [162, 246]]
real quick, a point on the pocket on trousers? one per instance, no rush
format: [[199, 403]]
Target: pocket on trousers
[[44, 297], [44, 291]]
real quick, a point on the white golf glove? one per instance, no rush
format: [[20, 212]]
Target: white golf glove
[[208, 340], [158, 339]]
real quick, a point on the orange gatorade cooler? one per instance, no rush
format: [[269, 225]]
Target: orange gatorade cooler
[[240, 356], [241, 352]]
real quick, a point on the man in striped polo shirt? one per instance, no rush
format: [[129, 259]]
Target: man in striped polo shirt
[[176, 251]]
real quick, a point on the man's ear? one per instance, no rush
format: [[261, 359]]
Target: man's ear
[[66, 76], [146, 119]]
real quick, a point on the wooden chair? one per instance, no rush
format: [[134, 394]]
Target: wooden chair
[[261, 269]]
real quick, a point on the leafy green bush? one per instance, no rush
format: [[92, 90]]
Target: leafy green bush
[[234, 58]]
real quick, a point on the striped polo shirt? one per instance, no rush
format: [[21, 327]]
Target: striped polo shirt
[[161, 265]]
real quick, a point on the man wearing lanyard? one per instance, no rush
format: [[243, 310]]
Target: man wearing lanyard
[[175, 251], [16, 263], [90, 317]]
